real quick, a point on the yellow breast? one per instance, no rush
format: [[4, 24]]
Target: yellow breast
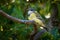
[[32, 16]]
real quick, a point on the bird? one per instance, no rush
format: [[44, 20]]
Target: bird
[[35, 16]]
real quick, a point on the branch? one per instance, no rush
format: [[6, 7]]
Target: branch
[[39, 34], [25, 22], [15, 19], [34, 32]]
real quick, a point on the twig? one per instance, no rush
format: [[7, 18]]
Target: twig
[[15, 19], [39, 34]]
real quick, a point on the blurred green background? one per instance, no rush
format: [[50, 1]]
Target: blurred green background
[[10, 30]]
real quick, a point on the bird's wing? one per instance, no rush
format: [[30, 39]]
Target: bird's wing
[[38, 15], [38, 21]]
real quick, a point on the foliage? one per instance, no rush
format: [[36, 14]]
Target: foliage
[[10, 30]]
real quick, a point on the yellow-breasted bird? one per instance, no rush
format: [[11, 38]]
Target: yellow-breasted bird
[[33, 15]]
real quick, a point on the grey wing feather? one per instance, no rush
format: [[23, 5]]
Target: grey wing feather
[[38, 15]]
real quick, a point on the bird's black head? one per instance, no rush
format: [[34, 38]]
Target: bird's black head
[[31, 9]]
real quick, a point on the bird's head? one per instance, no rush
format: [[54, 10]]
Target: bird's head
[[30, 11]]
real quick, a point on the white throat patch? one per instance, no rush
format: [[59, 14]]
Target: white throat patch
[[30, 12]]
